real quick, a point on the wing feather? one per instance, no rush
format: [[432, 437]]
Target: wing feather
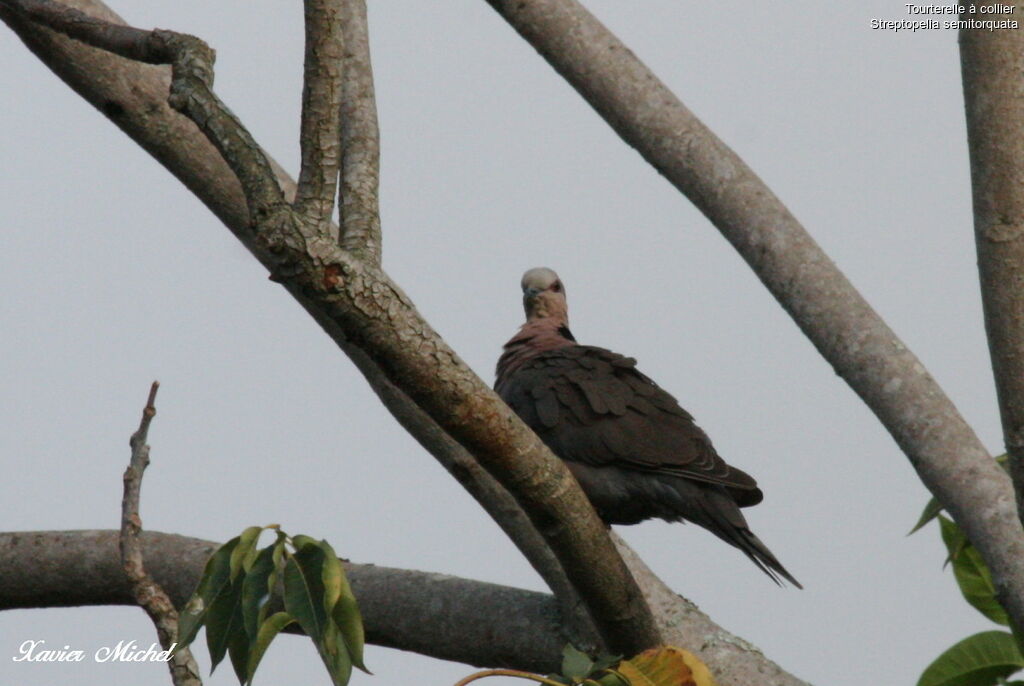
[[593, 406]]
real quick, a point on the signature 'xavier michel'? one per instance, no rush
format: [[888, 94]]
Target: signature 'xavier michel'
[[634, 451]]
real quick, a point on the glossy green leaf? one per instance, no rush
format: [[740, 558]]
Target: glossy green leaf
[[222, 621], [304, 590], [268, 630], [978, 660], [216, 579], [972, 575], [256, 590], [575, 664], [245, 552]]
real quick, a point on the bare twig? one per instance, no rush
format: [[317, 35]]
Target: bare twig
[[994, 97], [862, 349], [321, 108], [360, 146], [147, 593], [374, 314]]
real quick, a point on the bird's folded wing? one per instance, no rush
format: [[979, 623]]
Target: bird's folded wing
[[592, 406]]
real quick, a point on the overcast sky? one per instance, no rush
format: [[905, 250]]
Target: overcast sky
[[114, 276]]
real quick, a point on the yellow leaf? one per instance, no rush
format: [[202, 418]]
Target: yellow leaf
[[666, 666]]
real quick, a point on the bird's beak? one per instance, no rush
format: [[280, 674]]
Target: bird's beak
[[530, 293]]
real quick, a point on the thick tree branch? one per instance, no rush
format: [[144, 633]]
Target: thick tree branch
[[378, 317], [133, 96], [862, 349], [146, 592], [991, 63], [360, 161], [734, 661], [319, 138], [442, 616], [432, 614]]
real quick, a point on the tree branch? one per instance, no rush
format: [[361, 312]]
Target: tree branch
[[133, 96], [319, 137], [994, 98], [862, 349], [360, 141], [446, 617], [146, 592], [433, 614], [375, 315]]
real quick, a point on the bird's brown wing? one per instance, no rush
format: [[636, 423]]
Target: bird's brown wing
[[592, 406]]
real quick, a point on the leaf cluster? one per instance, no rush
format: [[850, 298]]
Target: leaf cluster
[[986, 658], [246, 597]]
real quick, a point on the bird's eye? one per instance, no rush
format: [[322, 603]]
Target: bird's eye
[[557, 287]]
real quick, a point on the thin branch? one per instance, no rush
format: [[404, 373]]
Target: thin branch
[[360, 141], [321, 102], [190, 89], [994, 98], [862, 349], [432, 614], [147, 593], [375, 315], [133, 96]]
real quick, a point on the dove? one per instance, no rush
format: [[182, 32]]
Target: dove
[[635, 452]]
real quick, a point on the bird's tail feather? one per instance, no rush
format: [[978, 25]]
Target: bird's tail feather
[[724, 519]]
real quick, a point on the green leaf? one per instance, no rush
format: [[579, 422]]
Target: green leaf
[[238, 650], [340, 604], [972, 575], [978, 660], [349, 621], [245, 552], [301, 541], [216, 579], [575, 664], [931, 511], [332, 576], [304, 590], [256, 590], [223, 621], [335, 655], [270, 628], [955, 540]]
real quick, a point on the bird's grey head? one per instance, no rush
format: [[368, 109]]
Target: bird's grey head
[[544, 295]]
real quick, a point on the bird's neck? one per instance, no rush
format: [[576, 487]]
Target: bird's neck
[[536, 336]]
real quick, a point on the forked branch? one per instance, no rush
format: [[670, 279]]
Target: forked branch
[[360, 301]]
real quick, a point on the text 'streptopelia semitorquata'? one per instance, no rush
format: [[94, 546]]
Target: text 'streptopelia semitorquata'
[[635, 452]]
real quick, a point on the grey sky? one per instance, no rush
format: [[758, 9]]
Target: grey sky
[[114, 275]]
